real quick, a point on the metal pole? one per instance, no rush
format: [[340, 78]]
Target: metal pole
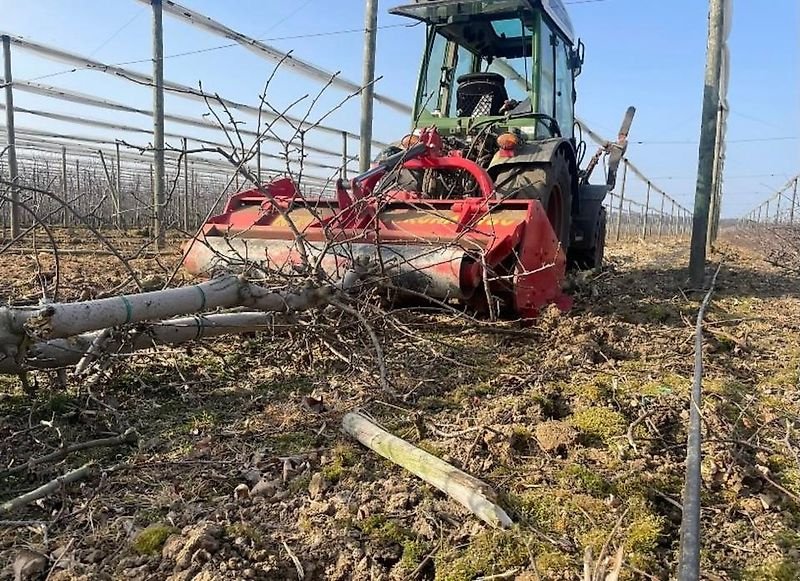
[[629, 222], [758, 218], [646, 210], [343, 173], [778, 209], [672, 221], [690, 546], [258, 157], [186, 182], [368, 90], [11, 138], [622, 195], [158, 124], [64, 192], [661, 216], [120, 215], [794, 199]]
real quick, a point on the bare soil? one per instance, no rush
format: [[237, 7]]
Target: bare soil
[[578, 421]]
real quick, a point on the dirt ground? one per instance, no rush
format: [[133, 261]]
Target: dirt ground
[[240, 470]]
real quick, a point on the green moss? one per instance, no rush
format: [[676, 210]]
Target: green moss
[[468, 391], [150, 539], [551, 563], [414, 551], [595, 389], [659, 313], [245, 530], [332, 472], [384, 530], [536, 507], [665, 385], [489, 553], [585, 480], [783, 570], [343, 456], [521, 438], [644, 533], [434, 403], [299, 484], [201, 422], [61, 403], [599, 424], [293, 442]]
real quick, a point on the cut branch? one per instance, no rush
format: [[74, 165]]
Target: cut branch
[[477, 496], [128, 437], [47, 489]]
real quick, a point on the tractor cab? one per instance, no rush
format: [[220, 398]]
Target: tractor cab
[[483, 59]]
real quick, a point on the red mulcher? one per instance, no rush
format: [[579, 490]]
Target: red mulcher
[[445, 249]]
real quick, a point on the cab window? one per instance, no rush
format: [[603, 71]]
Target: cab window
[[564, 87], [547, 82]]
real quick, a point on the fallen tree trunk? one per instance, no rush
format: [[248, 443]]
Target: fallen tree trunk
[[66, 319], [69, 351], [477, 496]]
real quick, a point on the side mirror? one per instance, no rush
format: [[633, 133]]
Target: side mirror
[[576, 56]]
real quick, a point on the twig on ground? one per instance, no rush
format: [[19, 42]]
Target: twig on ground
[[47, 489], [128, 437]]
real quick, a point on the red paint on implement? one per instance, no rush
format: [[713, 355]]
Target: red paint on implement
[[512, 239]]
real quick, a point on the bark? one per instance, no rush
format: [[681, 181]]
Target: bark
[[57, 353], [477, 496], [60, 320]]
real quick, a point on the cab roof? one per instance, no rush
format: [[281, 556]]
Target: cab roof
[[441, 11]]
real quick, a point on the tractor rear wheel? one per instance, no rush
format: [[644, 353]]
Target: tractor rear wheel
[[550, 184], [589, 258]]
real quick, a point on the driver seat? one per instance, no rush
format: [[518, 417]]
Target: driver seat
[[480, 94]]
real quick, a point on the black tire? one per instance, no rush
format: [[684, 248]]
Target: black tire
[[589, 258], [550, 183]]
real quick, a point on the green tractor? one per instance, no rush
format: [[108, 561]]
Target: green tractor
[[498, 83]]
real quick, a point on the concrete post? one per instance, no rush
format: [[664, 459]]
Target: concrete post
[[367, 79], [158, 125], [705, 172], [13, 170]]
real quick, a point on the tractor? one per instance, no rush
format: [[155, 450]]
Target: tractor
[[498, 82]]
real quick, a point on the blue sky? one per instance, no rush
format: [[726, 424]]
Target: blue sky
[[648, 53]]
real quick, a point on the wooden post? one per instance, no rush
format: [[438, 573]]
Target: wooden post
[[794, 201]]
